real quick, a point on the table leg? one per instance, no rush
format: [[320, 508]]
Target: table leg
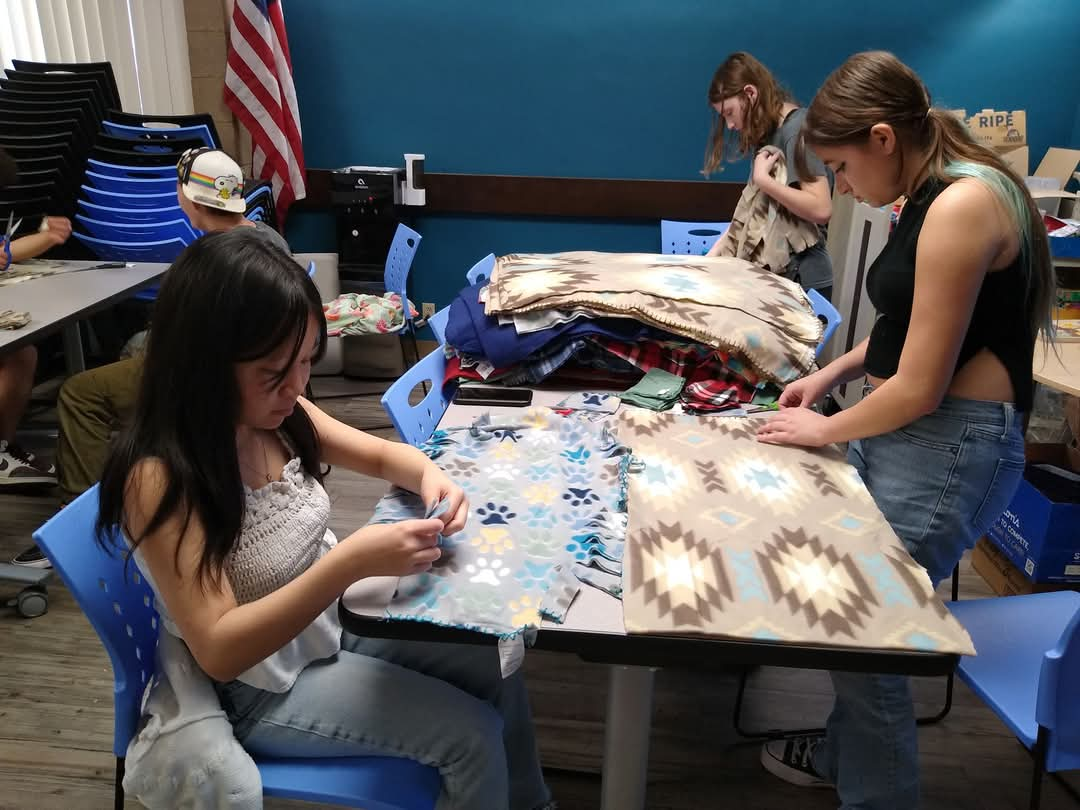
[[627, 728], [73, 352]]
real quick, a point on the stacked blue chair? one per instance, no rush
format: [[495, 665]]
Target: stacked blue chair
[[120, 606], [689, 238]]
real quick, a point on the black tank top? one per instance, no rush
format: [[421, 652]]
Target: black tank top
[[999, 323]]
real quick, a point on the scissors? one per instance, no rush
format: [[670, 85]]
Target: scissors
[[12, 226]]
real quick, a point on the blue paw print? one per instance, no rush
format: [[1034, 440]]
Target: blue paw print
[[507, 433], [580, 496], [491, 514], [539, 517], [427, 591], [534, 574], [595, 400], [579, 547], [578, 456], [578, 476], [540, 472], [470, 450]]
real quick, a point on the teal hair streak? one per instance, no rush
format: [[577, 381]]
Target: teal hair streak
[[1015, 202]]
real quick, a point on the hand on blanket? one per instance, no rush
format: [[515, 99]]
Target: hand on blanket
[[763, 165], [806, 392], [395, 549], [435, 487], [800, 426]]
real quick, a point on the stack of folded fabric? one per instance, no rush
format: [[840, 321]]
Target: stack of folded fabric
[[730, 330], [657, 390]]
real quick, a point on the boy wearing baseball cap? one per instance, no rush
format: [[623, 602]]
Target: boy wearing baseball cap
[[210, 191]]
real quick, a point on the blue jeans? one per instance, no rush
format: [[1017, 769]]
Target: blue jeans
[[445, 705], [940, 482]]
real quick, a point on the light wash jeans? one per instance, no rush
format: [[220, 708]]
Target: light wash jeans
[[444, 705], [940, 482]]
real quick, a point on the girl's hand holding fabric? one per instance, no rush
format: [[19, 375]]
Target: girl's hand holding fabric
[[435, 486]]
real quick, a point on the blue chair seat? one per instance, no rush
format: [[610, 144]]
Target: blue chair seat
[[130, 185], [107, 213], [689, 238], [1011, 636], [165, 250], [135, 172], [114, 200], [120, 606], [373, 783], [127, 232], [135, 132]]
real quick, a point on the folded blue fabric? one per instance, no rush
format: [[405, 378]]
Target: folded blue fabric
[[472, 332]]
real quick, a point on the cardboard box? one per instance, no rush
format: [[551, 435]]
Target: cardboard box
[[999, 129], [1037, 534], [1048, 183], [1004, 578]]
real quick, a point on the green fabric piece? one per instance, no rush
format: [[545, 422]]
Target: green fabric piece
[[658, 390]]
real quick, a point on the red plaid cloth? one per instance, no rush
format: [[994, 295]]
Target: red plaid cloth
[[715, 380]]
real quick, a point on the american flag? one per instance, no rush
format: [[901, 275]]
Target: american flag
[[259, 90]]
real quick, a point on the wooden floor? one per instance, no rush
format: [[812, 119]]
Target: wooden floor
[[56, 709]]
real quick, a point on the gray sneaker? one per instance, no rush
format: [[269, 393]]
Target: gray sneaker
[[19, 467]]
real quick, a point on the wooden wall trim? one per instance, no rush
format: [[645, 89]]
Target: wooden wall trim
[[577, 197]]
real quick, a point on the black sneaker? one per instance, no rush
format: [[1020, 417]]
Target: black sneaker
[[32, 557], [793, 760], [19, 467]]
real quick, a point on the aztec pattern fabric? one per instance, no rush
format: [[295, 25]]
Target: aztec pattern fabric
[[546, 494], [725, 303], [763, 231], [731, 537]]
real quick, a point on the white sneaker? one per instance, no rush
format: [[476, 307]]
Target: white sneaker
[[793, 760], [19, 467]]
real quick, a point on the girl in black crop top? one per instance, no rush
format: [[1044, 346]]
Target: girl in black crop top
[[962, 291]]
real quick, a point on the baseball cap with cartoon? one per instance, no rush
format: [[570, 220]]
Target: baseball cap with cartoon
[[210, 177]]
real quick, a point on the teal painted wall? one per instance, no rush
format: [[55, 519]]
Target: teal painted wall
[[616, 88]]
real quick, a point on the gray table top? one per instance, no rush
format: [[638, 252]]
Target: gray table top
[[57, 300]]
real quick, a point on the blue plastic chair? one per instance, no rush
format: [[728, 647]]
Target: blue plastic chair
[[416, 423], [107, 213], [256, 214], [120, 606], [132, 185], [165, 250], [399, 260], [437, 324], [481, 270], [826, 312], [1027, 671], [139, 231], [135, 172], [127, 131], [128, 200], [689, 238]]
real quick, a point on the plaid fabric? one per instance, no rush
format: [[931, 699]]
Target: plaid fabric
[[715, 379]]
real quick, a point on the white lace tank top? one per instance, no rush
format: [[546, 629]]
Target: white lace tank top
[[283, 533]]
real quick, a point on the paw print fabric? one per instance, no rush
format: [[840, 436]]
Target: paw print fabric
[[547, 496]]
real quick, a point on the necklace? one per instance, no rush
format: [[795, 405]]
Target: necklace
[[265, 471]]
